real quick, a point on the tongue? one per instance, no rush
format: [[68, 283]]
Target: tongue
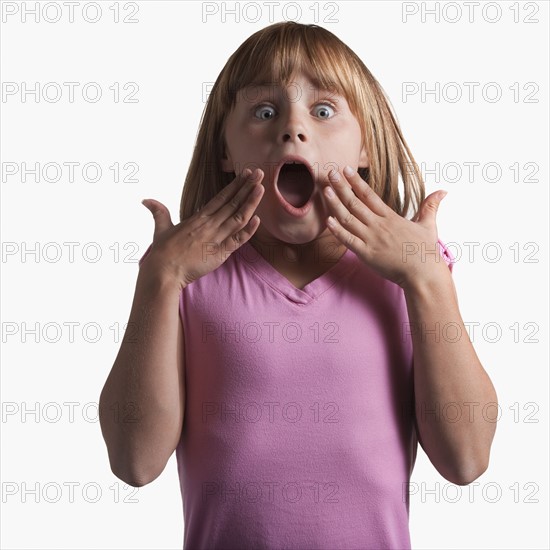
[[295, 184]]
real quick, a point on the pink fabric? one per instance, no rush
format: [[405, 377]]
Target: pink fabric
[[298, 429]]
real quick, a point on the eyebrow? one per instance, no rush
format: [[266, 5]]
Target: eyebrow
[[266, 86]]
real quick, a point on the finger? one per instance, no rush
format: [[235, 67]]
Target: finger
[[240, 237], [232, 206], [351, 241], [229, 230], [161, 215], [346, 206], [363, 190], [227, 193]]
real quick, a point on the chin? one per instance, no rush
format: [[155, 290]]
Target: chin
[[300, 235]]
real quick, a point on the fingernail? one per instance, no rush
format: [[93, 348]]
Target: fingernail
[[334, 175], [349, 171]]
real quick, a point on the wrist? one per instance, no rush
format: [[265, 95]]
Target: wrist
[[435, 275], [155, 282]]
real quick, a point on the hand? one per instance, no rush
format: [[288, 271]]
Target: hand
[[201, 243], [403, 251]]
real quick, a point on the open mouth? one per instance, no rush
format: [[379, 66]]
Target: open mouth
[[295, 184]]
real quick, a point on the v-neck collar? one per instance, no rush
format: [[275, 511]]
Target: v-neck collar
[[254, 261]]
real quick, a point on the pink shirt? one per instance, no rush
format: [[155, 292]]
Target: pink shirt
[[299, 428]]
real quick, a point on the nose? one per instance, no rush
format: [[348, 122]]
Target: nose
[[293, 127]]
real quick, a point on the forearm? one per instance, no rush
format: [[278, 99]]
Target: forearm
[[140, 404], [451, 387]]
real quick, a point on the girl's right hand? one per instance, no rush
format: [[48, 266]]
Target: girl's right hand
[[199, 244]]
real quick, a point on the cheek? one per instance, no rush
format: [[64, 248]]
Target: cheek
[[345, 148], [252, 132], [245, 139]]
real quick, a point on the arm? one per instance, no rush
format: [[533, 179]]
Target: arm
[[147, 379], [446, 370], [141, 406], [451, 387]]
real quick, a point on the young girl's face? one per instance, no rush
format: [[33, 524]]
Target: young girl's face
[[270, 123]]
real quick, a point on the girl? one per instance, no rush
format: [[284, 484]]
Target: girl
[[286, 333]]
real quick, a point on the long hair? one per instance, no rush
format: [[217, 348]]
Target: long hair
[[273, 55]]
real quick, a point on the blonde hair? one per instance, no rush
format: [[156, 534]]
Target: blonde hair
[[273, 55]]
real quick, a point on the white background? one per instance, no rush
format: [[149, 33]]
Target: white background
[[171, 53]]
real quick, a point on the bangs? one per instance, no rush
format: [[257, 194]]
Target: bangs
[[273, 57]]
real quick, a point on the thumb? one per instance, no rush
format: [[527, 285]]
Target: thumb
[[430, 205], [161, 216]]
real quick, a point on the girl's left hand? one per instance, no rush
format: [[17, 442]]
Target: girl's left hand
[[403, 251]]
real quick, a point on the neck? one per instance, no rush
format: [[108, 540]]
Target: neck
[[325, 249]]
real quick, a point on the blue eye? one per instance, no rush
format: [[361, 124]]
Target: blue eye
[[263, 111], [324, 109], [262, 108]]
